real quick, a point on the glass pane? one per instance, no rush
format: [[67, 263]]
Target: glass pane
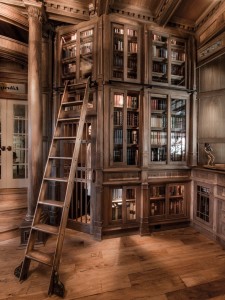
[[158, 128], [176, 202], [178, 130], [118, 116], [20, 142], [117, 204], [131, 204], [86, 53], [159, 58]]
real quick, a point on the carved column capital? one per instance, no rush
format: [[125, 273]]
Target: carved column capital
[[35, 10]]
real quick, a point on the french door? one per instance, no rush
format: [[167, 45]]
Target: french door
[[13, 144]]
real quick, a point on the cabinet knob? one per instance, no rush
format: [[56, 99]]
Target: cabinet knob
[[9, 148], [3, 148]]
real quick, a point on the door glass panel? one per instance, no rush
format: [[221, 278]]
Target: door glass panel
[[178, 130], [20, 147]]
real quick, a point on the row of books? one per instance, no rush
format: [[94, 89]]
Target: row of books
[[118, 117], [159, 67], [118, 137], [157, 191], [118, 61], [178, 55], [132, 62], [177, 104], [177, 70], [118, 74], [132, 136], [86, 33], [118, 44], [158, 154], [176, 190], [157, 208], [159, 38], [159, 51], [132, 119], [118, 30], [159, 121], [158, 104], [130, 32], [176, 206], [178, 122], [132, 47], [158, 138], [132, 102], [132, 155]]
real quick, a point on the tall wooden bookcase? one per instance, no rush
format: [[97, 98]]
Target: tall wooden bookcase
[[140, 117]]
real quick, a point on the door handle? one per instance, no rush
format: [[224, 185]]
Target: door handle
[[3, 148], [9, 148]]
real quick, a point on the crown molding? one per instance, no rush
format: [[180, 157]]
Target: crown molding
[[166, 10]]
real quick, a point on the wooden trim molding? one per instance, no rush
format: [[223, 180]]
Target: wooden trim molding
[[211, 48]]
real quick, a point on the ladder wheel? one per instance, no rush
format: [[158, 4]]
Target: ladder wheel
[[17, 270]]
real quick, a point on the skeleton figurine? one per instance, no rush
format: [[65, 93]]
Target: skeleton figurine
[[210, 156]]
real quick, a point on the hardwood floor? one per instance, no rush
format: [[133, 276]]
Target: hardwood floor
[[176, 264]]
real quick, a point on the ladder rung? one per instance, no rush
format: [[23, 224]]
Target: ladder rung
[[65, 138], [41, 257], [72, 103], [80, 85], [56, 179], [60, 157], [52, 203], [69, 119], [46, 228]]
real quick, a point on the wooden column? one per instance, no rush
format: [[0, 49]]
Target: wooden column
[[35, 121]]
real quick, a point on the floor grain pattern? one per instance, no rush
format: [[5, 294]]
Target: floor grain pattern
[[179, 264]]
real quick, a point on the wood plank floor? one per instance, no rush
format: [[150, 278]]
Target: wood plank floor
[[176, 264]]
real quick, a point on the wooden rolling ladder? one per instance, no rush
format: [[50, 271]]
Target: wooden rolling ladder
[[73, 141]]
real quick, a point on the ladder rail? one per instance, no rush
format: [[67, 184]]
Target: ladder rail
[[39, 225], [41, 191], [73, 168]]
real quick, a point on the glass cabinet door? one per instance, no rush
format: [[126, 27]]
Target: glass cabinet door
[[125, 53], [159, 128], [157, 200], [159, 58], [125, 124], [124, 204], [176, 199], [178, 130]]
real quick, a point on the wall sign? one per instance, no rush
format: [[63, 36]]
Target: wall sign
[[7, 87]]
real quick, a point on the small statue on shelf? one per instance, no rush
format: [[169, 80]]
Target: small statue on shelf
[[208, 149]]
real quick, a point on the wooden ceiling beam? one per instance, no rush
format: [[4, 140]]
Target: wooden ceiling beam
[[166, 11]]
